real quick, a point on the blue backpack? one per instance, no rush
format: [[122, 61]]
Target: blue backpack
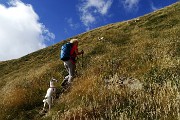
[[65, 51]]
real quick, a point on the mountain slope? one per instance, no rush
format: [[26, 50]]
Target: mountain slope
[[146, 48]]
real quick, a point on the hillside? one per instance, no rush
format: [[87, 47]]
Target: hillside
[[146, 48]]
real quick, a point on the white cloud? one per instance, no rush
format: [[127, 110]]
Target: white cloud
[[153, 7], [130, 4], [71, 23], [90, 9], [20, 31]]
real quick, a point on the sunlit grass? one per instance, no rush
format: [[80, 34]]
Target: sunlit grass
[[146, 49], [98, 101]]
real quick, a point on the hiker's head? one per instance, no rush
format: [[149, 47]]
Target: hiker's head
[[74, 41]]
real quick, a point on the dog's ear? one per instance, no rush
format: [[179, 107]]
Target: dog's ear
[[54, 79]]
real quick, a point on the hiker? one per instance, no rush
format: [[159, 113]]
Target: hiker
[[70, 62]]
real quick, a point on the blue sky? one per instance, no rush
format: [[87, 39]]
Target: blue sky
[[35, 24], [63, 17]]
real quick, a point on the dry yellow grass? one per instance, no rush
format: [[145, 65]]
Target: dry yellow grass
[[146, 49]]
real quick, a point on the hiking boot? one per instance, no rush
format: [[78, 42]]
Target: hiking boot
[[64, 83]]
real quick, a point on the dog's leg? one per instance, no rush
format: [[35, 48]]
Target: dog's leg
[[50, 103], [44, 104], [49, 107], [52, 99]]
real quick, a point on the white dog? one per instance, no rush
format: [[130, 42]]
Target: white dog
[[49, 95]]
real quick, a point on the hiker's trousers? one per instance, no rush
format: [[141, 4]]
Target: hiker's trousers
[[70, 67]]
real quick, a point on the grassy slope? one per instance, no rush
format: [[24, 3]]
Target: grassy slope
[[147, 49]]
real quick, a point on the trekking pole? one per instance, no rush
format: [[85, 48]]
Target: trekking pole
[[82, 58]]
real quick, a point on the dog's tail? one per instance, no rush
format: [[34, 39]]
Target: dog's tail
[[45, 99]]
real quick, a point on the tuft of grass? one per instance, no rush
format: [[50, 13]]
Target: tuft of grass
[[99, 102], [146, 48]]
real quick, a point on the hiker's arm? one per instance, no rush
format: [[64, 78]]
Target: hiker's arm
[[79, 53]]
